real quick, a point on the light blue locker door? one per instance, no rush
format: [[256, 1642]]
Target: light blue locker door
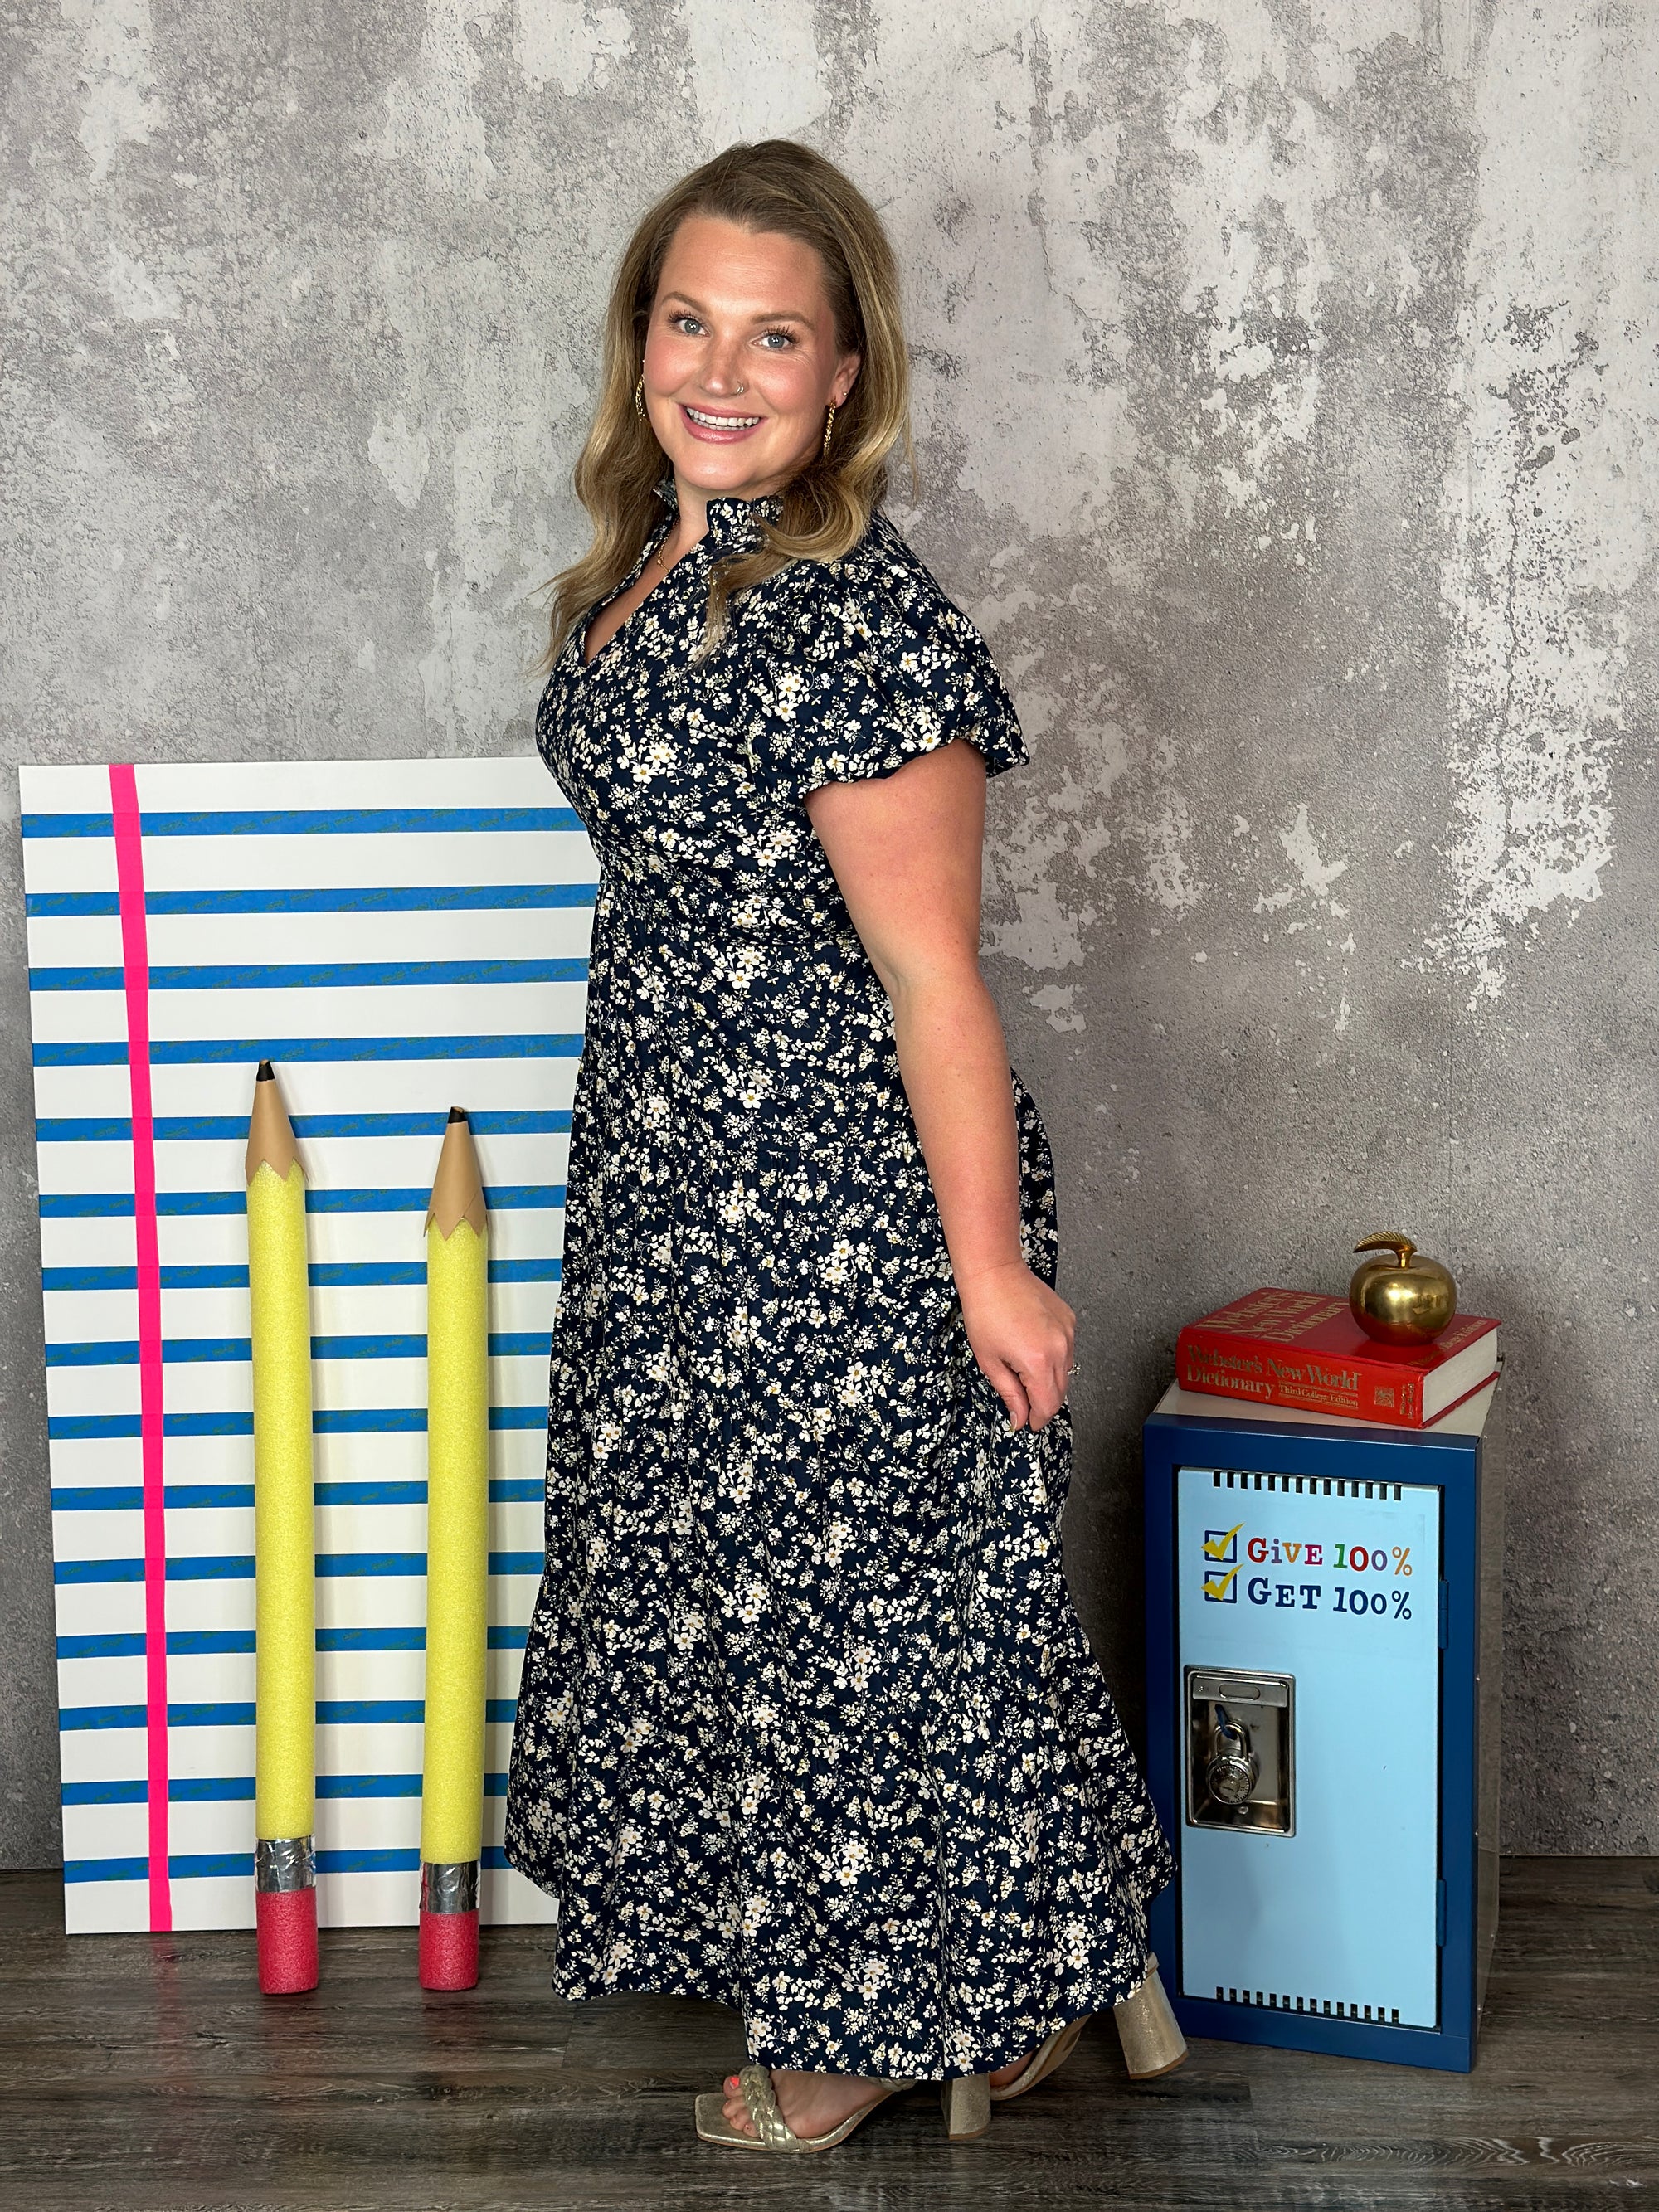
[[1336, 1583]]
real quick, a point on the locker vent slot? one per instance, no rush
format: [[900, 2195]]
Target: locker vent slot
[[1311, 1485], [1322, 2007]]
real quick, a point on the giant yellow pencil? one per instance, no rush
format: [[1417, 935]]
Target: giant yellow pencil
[[457, 1562], [285, 1757]]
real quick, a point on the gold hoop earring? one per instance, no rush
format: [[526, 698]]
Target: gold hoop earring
[[639, 397], [829, 427]]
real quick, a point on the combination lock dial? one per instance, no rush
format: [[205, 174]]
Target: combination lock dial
[[1233, 1766]]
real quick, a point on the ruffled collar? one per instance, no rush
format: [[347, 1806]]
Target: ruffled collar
[[733, 524]]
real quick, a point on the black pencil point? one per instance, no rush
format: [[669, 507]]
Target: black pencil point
[[267, 1074], [458, 1112]]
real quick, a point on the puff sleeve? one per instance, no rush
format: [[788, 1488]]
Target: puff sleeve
[[870, 666]]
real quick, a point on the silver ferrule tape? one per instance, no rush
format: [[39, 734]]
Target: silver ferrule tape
[[281, 1863], [449, 1885]]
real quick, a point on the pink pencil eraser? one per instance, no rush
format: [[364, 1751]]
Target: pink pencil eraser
[[449, 1950], [287, 1924]]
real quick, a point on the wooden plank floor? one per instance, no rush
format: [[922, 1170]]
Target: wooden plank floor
[[146, 2074]]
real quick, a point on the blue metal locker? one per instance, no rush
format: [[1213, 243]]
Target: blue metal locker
[[1323, 1615]]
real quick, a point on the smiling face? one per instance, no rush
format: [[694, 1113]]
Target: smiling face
[[742, 360]]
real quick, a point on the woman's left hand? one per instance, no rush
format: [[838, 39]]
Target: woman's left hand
[[1022, 1333]]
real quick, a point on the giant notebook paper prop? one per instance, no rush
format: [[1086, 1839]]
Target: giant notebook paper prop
[[457, 1540], [285, 1726], [390, 935]]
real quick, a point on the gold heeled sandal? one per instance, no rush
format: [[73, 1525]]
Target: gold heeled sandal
[[1052, 2053], [967, 2113], [1151, 2039]]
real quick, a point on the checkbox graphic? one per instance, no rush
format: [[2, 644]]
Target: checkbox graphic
[[1222, 1589], [1221, 1544]]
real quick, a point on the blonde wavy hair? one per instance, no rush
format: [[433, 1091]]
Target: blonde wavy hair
[[775, 185]]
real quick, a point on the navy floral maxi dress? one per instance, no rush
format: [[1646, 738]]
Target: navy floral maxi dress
[[807, 1725]]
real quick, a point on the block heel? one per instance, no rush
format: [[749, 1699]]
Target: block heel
[[1152, 2038], [966, 2099]]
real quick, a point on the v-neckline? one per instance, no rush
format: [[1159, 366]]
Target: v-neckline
[[633, 577], [767, 507]]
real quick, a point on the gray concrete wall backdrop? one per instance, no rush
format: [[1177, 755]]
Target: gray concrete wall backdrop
[[1285, 389]]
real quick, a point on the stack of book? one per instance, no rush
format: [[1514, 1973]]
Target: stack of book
[[1297, 1348]]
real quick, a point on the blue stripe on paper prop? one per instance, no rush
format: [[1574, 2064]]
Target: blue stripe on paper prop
[[177, 1204], [409, 982], [248, 1052], [409, 898], [102, 1870], [371, 1639], [314, 822], [183, 1129], [368, 1275], [123, 1351], [116, 1644], [185, 1866], [238, 1789], [336, 976], [187, 1642], [351, 1421]]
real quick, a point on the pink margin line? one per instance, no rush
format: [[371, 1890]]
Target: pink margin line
[[135, 964]]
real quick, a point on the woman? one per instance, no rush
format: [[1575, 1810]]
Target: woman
[[807, 1724]]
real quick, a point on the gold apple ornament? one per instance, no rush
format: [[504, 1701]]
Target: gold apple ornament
[[1407, 1298]]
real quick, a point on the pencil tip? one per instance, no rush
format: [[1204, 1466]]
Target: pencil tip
[[270, 1132], [458, 1192]]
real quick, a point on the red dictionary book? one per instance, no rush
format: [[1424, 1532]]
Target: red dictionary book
[[1296, 1348]]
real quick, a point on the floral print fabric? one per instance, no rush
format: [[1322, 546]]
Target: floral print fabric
[[807, 1724]]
